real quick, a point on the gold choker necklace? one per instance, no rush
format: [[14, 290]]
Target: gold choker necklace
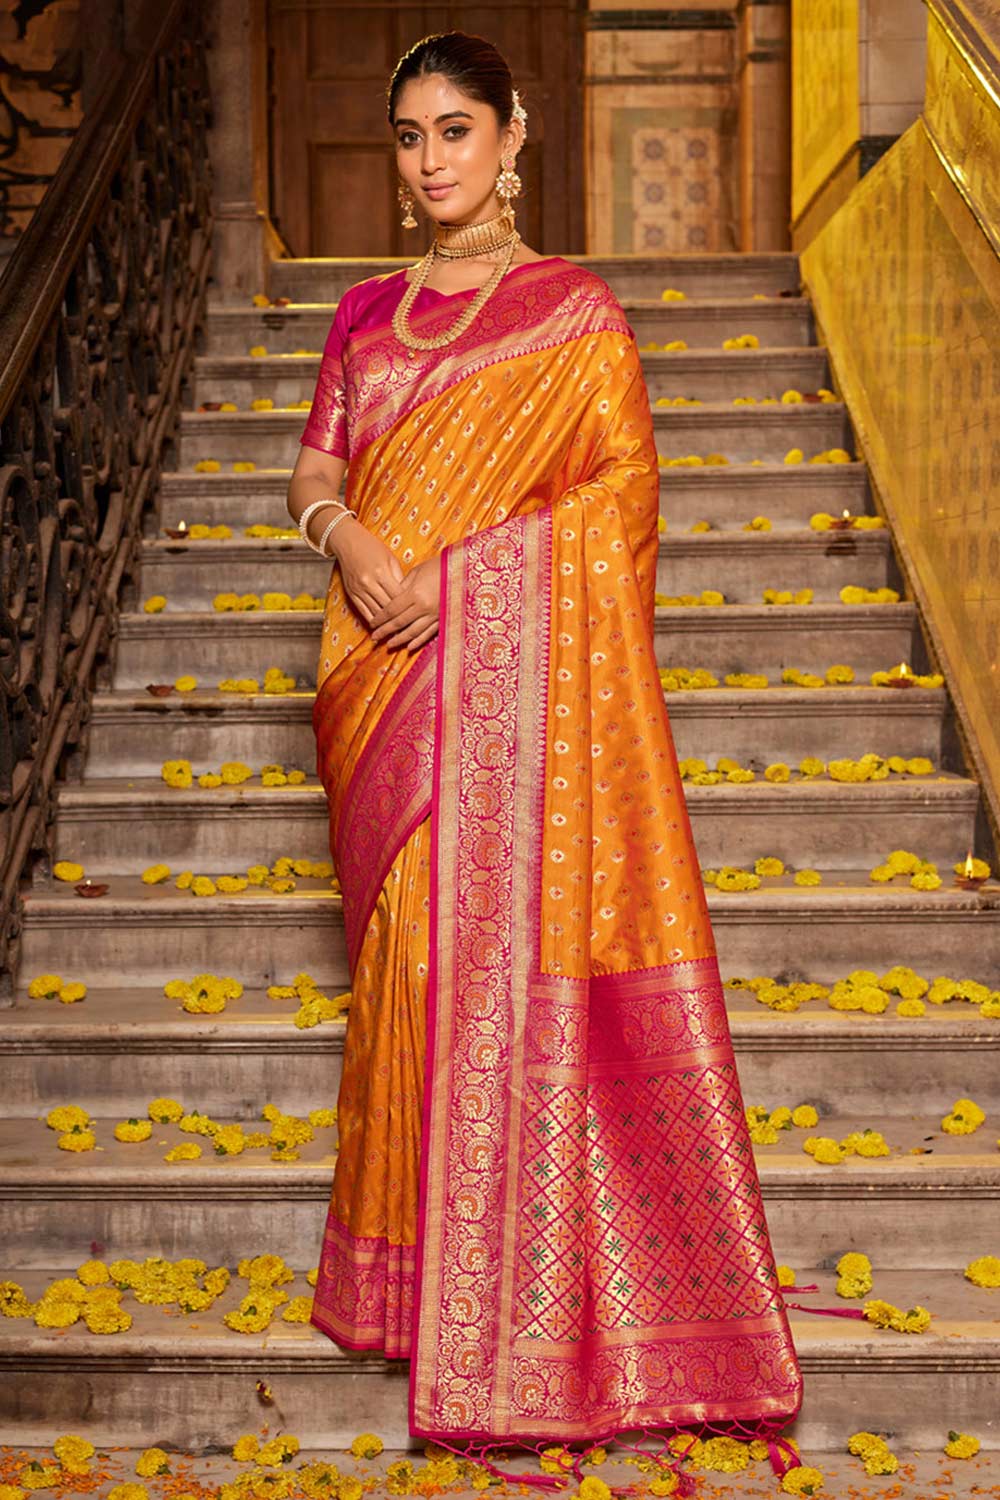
[[454, 241], [503, 236]]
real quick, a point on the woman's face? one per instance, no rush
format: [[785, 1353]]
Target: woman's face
[[449, 150]]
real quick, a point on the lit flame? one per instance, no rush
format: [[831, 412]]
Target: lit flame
[[904, 670], [182, 526], [847, 515], [968, 865]]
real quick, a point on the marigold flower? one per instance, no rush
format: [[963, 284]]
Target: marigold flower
[[177, 773], [802, 1480], [68, 870], [593, 1488], [245, 1448], [67, 1117], [794, 456], [805, 1116], [965, 1118], [186, 1151], [45, 986], [984, 1271], [758, 523], [298, 1310], [980, 869], [207, 466], [961, 1445], [133, 1130], [156, 875], [73, 1453], [203, 885], [128, 1492], [154, 1461], [769, 865]]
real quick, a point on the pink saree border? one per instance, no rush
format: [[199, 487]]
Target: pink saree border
[[388, 795], [475, 1376], [364, 1296]]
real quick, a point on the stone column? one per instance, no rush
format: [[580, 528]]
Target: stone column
[[238, 146], [765, 125]]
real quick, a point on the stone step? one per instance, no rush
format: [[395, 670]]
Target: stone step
[[206, 1375], [730, 638], [129, 729], [741, 433], [741, 564], [708, 374], [920, 1474], [142, 935], [777, 323], [121, 1048], [717, 275], [121, 827], [130, 1200], [727, 496]]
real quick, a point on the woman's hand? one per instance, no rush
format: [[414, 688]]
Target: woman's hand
[[372, 574], [410, 618]]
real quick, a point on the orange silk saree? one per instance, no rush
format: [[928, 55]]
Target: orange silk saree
[[545, 1195]]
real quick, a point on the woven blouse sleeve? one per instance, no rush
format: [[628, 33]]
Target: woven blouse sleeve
[[326, 428]]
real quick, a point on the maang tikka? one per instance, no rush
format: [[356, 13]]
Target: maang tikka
[[508, 184]]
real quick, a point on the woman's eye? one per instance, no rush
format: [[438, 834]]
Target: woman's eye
[[408, 135]]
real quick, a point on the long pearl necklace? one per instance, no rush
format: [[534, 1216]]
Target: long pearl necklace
[[451, 248]]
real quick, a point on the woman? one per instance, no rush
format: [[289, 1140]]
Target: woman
[[545, 1194]]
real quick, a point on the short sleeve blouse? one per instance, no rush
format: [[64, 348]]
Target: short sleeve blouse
[[326, 428]]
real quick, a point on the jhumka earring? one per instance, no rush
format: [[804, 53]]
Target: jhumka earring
[[406, 201], [508, 183]]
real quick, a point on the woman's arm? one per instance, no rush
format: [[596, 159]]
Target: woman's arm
[[371, 573]]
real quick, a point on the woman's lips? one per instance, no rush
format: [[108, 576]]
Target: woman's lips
[[440, 191]]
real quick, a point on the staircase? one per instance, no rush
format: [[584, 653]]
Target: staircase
[[920, 1214]]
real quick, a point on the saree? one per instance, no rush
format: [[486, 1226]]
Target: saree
[[545, 1195]]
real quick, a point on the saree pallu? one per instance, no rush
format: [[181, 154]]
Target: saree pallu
[[546, 1194]]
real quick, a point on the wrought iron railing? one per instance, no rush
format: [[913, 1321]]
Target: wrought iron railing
[[98, 314]]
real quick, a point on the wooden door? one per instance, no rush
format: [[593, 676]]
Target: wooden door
[[332, 160]]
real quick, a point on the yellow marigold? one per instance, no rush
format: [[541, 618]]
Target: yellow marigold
[[177, 773], [777, 772], [593, 1488], [731, 879], [671, 294], [231, 885], [203, 885], [67, 1117], [804, 1116], [769, 865], [965, 1117], [665, 1483], [925, 880], [807, 877], [154, 1461], [794, 456], [821, 521], [367, 1445], [73, 1453], [802, 1480], [245, 1448], [56, 1314], [106, 1320], [45, 986], [128, 1492], [919, 765], [209, 779], [77, 1139], [758, 523], [156, 874], [839, 675], [911, 1008], [154, 604], [961, 1445], [229, 1140], [39, 1475], [165, 1111], [984, 1271], [299, 1310], [980, 869], [823, 1149], [674, 345], [133, 1130], [68, 870], [186, 1151], [786, 1276], [697, 528], [12, 1492]]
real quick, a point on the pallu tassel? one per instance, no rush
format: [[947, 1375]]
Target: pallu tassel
[[782, 1455], [822, 1312]]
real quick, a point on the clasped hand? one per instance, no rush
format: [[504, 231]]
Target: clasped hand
[[410, 617]]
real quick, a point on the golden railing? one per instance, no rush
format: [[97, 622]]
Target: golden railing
[[98, 311], [905, 280]]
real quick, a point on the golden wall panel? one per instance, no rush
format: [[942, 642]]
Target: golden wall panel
[[907, 290], [962, 112], [825, 105]]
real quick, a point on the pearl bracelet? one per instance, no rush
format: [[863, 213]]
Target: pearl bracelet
[[321, 549], [310, 509]]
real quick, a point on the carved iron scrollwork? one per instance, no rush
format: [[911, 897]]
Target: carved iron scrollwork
[[97, 329]]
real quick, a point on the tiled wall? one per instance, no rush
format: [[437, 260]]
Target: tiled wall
[[661, 113]]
